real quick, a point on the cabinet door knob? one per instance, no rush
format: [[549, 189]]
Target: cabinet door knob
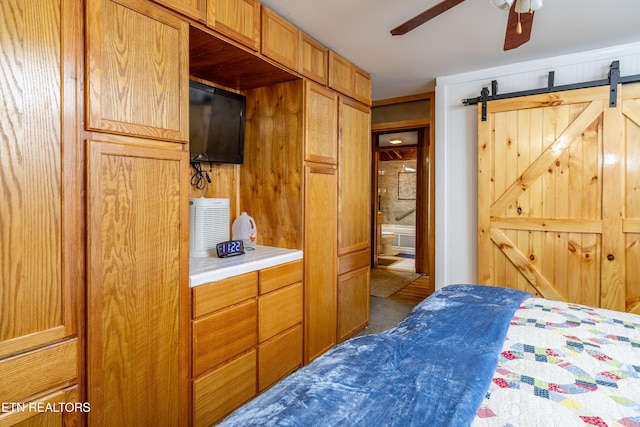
[[610, 257]]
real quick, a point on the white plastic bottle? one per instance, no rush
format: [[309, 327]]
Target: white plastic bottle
[[244, 228]]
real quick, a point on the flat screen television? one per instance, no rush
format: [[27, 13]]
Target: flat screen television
[[216, 124]]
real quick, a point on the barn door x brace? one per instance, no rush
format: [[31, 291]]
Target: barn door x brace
[[612, 81]]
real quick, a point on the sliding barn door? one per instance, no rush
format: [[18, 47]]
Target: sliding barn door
[[555, 183]]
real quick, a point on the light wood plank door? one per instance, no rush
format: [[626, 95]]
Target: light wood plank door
[[138, 68], [41, 244], [320, 254], [631, 221], [550, 197], [138, 295]]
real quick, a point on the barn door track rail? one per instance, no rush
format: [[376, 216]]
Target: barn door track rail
[[612, 80]]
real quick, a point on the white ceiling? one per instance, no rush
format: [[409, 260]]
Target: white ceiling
[[468, 37]]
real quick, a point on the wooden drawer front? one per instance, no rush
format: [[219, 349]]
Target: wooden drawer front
[[217, 295], [223, 335], [223, 390], [47, 418], [38, 371], [279, 310], [279, 356], [354, 260], [279, 276]]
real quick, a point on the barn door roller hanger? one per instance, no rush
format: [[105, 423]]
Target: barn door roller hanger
[[612, 81]]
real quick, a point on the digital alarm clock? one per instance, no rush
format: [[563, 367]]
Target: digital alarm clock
[[230, 248]]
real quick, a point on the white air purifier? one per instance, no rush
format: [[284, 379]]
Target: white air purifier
[[208, 225]]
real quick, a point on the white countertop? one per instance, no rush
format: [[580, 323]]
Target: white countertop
[[211, 269]]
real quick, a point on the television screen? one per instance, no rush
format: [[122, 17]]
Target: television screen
[[216, 124]]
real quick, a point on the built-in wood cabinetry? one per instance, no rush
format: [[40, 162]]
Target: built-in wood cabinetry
[[236, 19], [348, 79], [137, 322], [321, 124], [280, 39], [247, 334], [41, 218], [314, 59], [354, 218], [195, 9], [137, 59]]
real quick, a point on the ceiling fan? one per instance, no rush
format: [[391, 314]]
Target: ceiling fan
[[519, 23]]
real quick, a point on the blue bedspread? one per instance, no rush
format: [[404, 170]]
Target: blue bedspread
[[433, 368]]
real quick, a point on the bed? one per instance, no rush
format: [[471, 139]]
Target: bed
[[470, 355]]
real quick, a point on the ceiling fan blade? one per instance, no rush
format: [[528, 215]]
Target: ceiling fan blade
[[512, 39], [425, 16]]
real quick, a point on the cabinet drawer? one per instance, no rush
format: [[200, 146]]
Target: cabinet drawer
[[279, 310], [280, 276], [217, 295], [223, 390], [279, 356], [223, 335]]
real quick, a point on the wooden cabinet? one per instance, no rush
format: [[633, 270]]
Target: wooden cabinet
[[314, 59], [41, 222], [321, 124], [137, 68], [354, 224], [247, 334], [236, 19], [348, 79], [280, 39], [195, 9], [137, 293], [320, 249]]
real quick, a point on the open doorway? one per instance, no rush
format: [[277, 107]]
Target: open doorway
[[402, 185]]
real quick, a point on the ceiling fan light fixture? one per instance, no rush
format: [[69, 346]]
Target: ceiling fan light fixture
[[527, 6], [502, 4]]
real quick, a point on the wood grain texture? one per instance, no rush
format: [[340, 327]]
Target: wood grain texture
[[237, 19], [280, 276], [271, 176], [320, 124], [214, 296], [279, 356], [195, 9], [137, 70], [314, 59], [354, 178], [223, 390], [353, 302], [40, 177], [557, 207], [49, 419], [279, 310], [341, 76], [137, 285], [320, 277], [280, 40]]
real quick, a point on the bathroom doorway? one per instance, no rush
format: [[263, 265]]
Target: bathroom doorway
[[403, 175]]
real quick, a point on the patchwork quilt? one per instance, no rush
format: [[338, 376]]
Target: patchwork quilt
[[567, 365], [470, 355]]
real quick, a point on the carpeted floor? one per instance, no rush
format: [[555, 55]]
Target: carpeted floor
[[385, 283], [384, 314]]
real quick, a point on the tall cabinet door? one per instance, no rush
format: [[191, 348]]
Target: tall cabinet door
[[41, 246], [320, 252], [354, 217], [137, 60], [138, 307]]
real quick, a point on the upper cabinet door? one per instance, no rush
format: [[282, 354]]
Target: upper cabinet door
[[192, 8], [237, 19], [137, 70], [314, 59], [321, 124], [280, 39]]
